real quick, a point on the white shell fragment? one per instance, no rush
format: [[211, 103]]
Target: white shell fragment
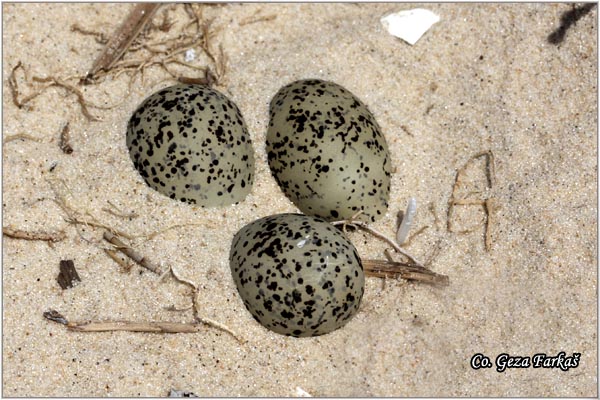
[[407, 220], [409, 25], [301, 392], [190, 55]]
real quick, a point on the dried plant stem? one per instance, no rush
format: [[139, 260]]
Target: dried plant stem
[[92, 222], [124, 264], [49, 82], [122, 38], [490, 208], [384, 268], [219, 326], [489, 205], [73, 218], [71, 213], [105, 326], [131, 253], [160, 232], [117, 212], [155, 327], [25, 235], [195, 14]]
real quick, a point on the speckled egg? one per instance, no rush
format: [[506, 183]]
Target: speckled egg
[[190, 142], [298, 275], [327, 152]]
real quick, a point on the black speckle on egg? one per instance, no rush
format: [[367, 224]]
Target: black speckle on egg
[[297, 275], [189, 142], [327, 152]]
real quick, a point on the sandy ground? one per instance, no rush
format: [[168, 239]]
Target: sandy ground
[[484, 78]]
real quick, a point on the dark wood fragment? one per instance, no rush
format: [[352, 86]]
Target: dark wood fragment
[[67, 274], [55, 316], [64, 144]]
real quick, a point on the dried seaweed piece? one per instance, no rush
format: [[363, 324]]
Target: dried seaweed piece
[[59, 82], [67, 274], [12, 84], [567, 19], [122, 38], [48, 83], [100, 37]]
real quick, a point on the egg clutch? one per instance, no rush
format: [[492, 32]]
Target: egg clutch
[[297, 274]]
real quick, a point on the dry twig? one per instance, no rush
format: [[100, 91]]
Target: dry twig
[[105, 326]]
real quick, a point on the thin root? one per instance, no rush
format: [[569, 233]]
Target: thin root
[[195, 307], [21, 136], [377, 234]]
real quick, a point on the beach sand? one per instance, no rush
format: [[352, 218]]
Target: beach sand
[[483, 79]]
